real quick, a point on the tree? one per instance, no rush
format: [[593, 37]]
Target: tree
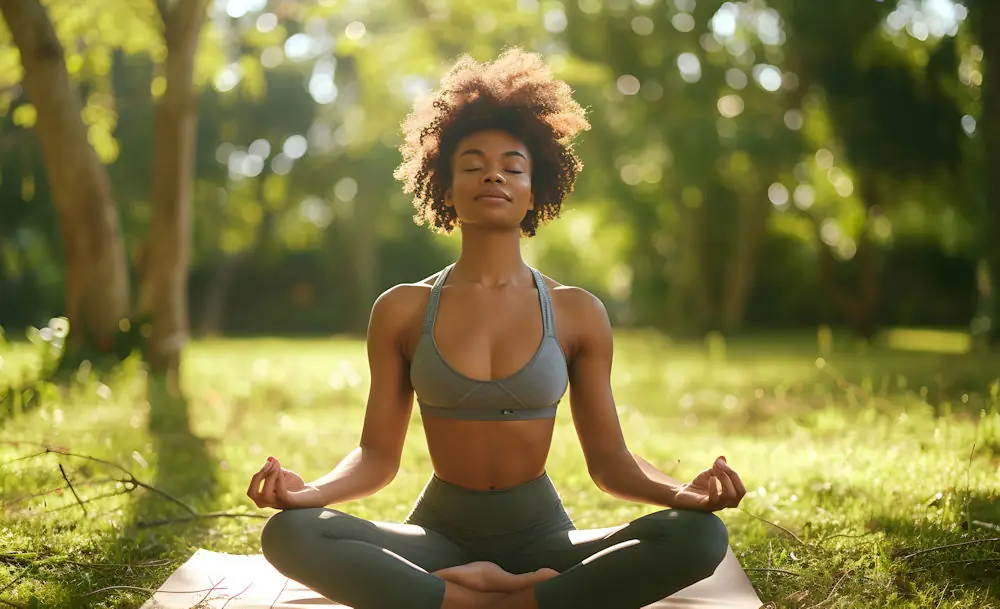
[[97, 290], [164, 260], [987, 20]]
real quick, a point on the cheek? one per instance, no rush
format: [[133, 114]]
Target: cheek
[[522, 185], [462, 182]]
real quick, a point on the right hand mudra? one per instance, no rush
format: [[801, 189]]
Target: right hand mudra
[[282, 489]]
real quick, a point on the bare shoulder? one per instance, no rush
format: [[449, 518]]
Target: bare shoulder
[[402, 298], [578, 311], [575, 301], [400, 309]]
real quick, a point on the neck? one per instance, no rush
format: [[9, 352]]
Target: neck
[[490, 257]]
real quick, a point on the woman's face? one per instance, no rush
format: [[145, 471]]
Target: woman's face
[[491, 180]]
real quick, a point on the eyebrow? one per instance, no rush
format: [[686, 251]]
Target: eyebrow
[[478, 152]]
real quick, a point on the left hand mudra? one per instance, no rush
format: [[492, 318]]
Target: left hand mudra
[[715, 488]]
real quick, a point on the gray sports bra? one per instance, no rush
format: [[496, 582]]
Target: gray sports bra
[[533, 392]]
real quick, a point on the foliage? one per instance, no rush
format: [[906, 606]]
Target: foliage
[[724, 133], [868, 461]]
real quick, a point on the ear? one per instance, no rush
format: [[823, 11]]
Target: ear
[[531, 201], [447, 199]]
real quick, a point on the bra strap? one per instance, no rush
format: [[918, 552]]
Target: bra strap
[[434, 299], [548, 318]]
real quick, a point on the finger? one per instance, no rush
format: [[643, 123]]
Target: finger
[[253, 491], [269, 478], [703, 477], [280, 489], [713, 491], [737, 482], [729, 496]]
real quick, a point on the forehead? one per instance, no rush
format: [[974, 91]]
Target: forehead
[[491, 142]]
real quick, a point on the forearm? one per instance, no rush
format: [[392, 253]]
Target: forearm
[[632, 478], [360, 474]]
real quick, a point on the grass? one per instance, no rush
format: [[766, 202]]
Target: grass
[[864, 469]]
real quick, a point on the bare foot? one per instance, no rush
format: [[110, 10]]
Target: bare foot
[[457, 596], [486, 576]]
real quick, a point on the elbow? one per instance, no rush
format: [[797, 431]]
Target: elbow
[[388, 474], [609, 473], [384, 471]]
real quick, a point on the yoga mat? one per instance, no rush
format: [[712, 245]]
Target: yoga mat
[[231, 581]]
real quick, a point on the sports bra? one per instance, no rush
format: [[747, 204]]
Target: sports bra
[[533, 392]]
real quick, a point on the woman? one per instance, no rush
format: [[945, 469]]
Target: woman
[[489, 346]]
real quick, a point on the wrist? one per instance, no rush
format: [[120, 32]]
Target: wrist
[[308, 497]]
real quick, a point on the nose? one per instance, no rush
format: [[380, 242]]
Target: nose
[[491, 177]]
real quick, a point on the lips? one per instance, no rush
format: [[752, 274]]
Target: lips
[[493, 194]]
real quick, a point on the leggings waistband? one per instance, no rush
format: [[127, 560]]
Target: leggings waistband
[[442, 504]]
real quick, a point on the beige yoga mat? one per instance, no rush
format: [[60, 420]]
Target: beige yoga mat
[[212, 580]]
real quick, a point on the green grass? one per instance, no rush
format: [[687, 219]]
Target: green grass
[[853, 466]]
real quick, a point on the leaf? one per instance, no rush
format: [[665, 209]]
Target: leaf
[[25, 116], [103, 142]]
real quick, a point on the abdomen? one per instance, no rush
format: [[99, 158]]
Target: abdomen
[[485, 455]]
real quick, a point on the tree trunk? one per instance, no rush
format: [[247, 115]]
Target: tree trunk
[[164, 265], [742, 265], [990, 41], [687, 310], [97, 294], [217, 292]]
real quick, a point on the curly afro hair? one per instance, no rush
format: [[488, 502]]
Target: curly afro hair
[[515, 93]]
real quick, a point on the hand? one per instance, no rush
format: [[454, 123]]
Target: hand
[[713, 489], [282, 489]]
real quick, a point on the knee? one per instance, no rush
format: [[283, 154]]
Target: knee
[[284, 533], [703, 536]]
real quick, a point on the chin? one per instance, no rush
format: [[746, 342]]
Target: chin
[[493, 224], [497, 219]]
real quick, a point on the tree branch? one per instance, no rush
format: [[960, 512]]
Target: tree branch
[[73, 490]]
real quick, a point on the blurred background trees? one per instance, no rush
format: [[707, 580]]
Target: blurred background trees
[[225, 166]]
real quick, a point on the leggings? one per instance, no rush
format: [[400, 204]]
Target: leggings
[[375, 565]]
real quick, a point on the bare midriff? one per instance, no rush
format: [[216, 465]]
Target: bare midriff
[[488, 455]]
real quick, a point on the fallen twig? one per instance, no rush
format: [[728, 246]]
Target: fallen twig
[[986, 525], [150, 590], [957, 562], [210, 590], [13, 604], [829, 596], [237, 595], [16, 500], [19, 577], [950, 545], [155, 523], [35, 559], [73, 490], [782, 571], [775, 525], [943, 592], [130, 480]]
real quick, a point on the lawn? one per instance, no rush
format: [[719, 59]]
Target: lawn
[[874, 475]]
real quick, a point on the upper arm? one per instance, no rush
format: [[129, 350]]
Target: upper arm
[[390, 396], [591, 401]]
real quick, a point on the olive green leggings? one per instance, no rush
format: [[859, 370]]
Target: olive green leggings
[[374, 565]]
